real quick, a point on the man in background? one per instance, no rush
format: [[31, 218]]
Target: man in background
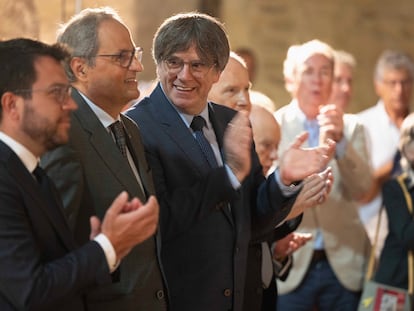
[[321, 275], [393, 81]]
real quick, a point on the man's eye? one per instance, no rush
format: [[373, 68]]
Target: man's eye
[[55, 91], [198, 65], [174, 62], [120, 56]]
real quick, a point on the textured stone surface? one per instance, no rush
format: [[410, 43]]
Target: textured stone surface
[[269, 27]]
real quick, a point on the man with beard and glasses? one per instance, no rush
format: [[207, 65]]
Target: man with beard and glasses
[[42, 267]]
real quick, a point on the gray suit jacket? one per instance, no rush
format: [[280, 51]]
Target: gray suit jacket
[[345, 240], [90, 172]]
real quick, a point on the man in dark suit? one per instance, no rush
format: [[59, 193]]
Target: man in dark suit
[[210, 211], [41, 266], [100, 159]]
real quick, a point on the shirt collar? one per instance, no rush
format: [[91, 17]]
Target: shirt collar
[[188, 118], [29, 160], [101, 114]]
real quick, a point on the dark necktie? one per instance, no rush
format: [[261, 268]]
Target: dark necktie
[[197, 125], [118, 130]]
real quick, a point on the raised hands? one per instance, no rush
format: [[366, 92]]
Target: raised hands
[[237, 145], [297, 163], [127, 223], [331, 124], [316, 189]]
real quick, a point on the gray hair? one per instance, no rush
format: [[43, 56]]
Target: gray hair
[[179, 32], [80, 34], [342, 57], [393, 60]]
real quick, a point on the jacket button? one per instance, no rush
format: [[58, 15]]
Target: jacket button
[[227, 292], [160, 294]]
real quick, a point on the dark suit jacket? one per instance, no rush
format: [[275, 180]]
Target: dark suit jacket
[[393, 264], [204, 245], [255, 296], [40, 269], [90, 172]]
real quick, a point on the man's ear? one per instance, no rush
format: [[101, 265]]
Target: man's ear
[[79, 68], [10, 105]]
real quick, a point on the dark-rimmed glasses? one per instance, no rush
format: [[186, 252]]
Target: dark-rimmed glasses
[[60, 93], [198, 68], [124, 58]]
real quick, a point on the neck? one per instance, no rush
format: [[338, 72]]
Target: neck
[[397, 117]]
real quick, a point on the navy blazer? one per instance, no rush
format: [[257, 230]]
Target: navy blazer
[[393, 265], [41, 267], [204, 242]]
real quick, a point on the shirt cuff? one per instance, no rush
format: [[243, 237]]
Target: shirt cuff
[[340, 148], [109, 251], [233, 179], [287, 190]]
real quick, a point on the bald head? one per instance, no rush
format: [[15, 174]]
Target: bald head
[[266, 136], [232, 89]]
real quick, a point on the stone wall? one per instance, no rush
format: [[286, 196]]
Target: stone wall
[[268, 27], [364, 28]]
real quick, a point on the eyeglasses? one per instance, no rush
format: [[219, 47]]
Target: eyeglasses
[[124, 58], [60, 93], [393, 83], [198, 68]]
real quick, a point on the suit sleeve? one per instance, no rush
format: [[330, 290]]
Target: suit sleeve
[[37, 271]]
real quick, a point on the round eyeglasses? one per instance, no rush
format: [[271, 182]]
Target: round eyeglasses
[[124, 58]]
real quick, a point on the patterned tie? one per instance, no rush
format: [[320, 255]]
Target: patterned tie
[[197, 125], [118, 130]]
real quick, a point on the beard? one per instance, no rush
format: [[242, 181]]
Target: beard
[[41, 129]]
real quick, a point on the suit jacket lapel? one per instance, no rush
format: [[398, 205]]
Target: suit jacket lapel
[[30, 186], [174, 127], [137, 151], [105, 146]]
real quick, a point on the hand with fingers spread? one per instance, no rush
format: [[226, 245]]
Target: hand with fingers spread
[[297, 163], [237, 145]]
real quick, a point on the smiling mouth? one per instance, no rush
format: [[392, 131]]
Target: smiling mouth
[[131, 80], [183, 89]]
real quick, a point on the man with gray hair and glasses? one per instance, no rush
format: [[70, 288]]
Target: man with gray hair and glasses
[[393, 81], [105, 155]]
